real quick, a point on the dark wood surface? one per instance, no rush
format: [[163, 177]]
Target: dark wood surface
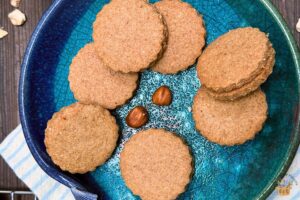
[[11, 53], [12, 49]]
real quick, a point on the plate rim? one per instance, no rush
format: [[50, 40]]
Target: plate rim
[[70, 182], [49, 170], [273, 11]]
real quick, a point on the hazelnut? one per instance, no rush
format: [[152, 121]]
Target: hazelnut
[[3, 33], [15, 3], [17, 18], [137, 117], [298, 25], [162, 96]]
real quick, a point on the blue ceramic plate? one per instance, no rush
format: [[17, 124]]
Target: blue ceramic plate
[[248, 171]]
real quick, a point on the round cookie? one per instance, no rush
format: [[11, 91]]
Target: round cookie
[[234, 59], [249, 87], [129, 35], [92, 82], [156, 164], [186, 36], [229, 122], [81, 137]]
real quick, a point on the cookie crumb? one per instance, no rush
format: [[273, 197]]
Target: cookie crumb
[[3, 33], [17, 18], [15, 3], [298, 25]]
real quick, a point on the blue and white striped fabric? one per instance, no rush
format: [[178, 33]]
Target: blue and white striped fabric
[[15, 152]]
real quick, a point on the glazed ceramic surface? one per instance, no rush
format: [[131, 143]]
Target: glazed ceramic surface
[[247, 171]]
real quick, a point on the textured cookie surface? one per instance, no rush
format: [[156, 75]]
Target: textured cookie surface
[[129, 35], [229, 122], [93, 82], [186, 36], [80, 137], [249, 87], [156, 164], [233, 59]]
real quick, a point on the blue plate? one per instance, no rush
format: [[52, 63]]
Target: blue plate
[[248, 171]]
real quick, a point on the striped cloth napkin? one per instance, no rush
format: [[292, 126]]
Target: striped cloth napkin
[[15, 152]]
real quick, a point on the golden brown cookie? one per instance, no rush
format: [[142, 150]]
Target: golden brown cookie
[[234, 59], [186, 36], [129, 35], [249, 87], [81, 137], [229, 122], [92, 82], [156, 164]]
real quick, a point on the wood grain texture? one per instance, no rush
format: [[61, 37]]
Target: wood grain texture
[[11, 53], [12, 49], [290, 10]]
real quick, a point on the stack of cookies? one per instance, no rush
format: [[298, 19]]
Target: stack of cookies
[[230, 107]]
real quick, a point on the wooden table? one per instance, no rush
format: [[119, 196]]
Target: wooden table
[[11, 52]]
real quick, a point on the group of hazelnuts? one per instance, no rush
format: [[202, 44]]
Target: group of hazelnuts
[[139, 116]]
